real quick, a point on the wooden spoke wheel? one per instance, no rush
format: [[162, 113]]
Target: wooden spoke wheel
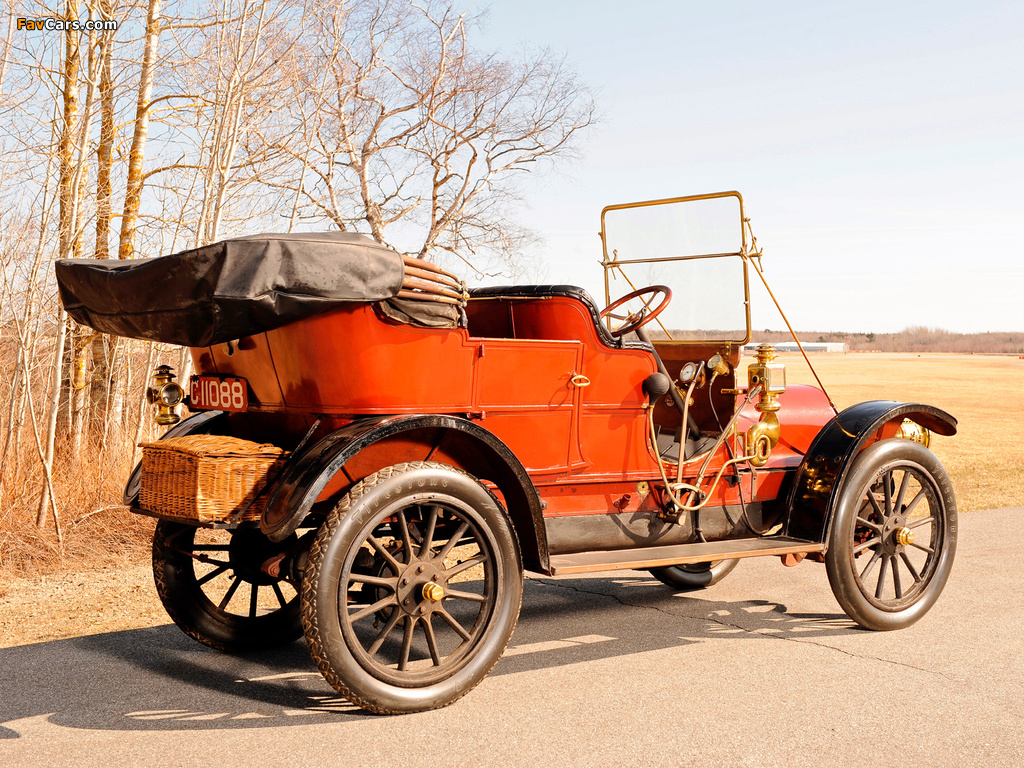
[[212, 586], [413, 588], [893, 537]]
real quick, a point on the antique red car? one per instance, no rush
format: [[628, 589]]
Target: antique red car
[[423, 444]]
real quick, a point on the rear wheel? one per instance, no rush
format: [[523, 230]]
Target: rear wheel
[[413, 588], [692, 576], [212, 585], [893, 537]]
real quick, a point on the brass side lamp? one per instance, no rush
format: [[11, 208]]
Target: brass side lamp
[[167, 394]]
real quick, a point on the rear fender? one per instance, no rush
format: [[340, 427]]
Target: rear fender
[[204, 423], [819, 479], [481, 454]]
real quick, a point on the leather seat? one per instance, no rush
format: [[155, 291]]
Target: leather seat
[[568, 291]]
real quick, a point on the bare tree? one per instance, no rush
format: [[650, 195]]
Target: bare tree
[[69, 92], [133, 191], [200, 120], [414, 136], [105, 148]]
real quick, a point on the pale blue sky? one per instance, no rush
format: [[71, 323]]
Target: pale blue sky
[[879, 146]]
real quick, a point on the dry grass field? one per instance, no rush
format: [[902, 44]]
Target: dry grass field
[[985, 393]]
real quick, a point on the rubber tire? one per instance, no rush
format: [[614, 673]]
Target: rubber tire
[[691, 577], [193, 612], [839, 560], [342, 530]]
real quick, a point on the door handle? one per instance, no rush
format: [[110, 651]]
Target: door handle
[[579, 380]]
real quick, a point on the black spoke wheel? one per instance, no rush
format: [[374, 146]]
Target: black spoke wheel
[[893, 537], [413, 588], [212, 585], [692, 576]]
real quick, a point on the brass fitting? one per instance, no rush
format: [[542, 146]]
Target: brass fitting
[[166, 394], [762, 438], [771, 377], [433, 592], [717, 365], [911, 430]]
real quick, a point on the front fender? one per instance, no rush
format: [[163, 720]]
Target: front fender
[[820, 476], [308, 474]]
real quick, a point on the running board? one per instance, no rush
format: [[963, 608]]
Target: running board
[[677, 554]]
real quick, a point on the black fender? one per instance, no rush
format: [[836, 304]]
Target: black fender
[[307, 474], [819, 479], [203, 423]]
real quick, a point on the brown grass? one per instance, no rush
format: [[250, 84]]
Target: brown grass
[[985, 394], [97, 531]]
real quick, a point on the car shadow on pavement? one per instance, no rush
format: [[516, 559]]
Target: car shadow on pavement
[[159, 679], [618, 615]]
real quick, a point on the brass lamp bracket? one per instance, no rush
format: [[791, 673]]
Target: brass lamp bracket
[[771, 377]]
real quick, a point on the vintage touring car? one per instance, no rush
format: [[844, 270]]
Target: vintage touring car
[[376, 453]]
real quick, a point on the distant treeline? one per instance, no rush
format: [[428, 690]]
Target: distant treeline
[[916, 339]]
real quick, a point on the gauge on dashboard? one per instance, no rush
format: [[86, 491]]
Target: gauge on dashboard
[[687, 374], [718, 365]]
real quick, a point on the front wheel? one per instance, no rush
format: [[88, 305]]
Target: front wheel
[[412, 589], [893, 537], [693, 576]]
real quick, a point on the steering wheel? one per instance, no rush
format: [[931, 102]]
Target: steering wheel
[[634, 320]]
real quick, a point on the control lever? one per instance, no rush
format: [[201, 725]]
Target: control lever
[[674, 393]]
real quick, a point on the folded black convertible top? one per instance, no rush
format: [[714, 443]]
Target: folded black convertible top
[[229, 289]]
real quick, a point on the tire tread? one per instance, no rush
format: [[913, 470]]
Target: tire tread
[[310, 623]]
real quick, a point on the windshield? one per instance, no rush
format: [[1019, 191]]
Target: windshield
[[692, 245]]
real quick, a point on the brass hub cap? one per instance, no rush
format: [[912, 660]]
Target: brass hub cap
[[904, 536], [433, 592]]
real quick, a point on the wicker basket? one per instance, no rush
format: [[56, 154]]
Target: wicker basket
[[207, 478]]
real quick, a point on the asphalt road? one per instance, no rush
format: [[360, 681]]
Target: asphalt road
[[615, 669]]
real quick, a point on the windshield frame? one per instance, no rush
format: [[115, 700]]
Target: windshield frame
[[610, 264]]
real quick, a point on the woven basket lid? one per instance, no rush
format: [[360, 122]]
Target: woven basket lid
[[214, 445]]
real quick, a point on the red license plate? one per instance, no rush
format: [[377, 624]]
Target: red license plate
[[211, 393]]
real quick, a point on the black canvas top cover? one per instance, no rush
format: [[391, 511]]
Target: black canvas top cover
[[229, 289]]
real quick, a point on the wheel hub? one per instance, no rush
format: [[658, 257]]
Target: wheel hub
[[895, 535], [247, 552], [904, 536], [421, 587]]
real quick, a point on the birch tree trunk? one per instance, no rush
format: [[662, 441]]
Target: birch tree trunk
[[133, 191], [46, 499], [66, 220], [69, 92], [140, 423], [104, 150], [105, 380], [84, 342]]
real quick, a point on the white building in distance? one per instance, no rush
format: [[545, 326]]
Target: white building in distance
[[809, 346]]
